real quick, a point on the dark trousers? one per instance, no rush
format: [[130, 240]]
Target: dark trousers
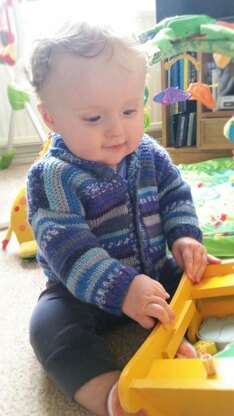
[[67, 334]]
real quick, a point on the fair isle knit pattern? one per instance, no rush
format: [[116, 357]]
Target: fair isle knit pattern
[[96, 230]]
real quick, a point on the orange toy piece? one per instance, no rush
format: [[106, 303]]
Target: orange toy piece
[[201, 92], [8, 54], [160, 385], [223, 60]]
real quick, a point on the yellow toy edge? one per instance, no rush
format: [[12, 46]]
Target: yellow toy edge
[[163, 343]]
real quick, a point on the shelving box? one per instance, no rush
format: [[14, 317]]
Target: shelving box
[[210, 140]]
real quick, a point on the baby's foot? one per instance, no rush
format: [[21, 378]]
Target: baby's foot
[[186, 350], [114, 406]]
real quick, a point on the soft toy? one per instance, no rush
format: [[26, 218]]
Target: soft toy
[[8, 54], [19, 225], [198, 33], [228, 130], [18, 220], [200, 91], [7, 47]]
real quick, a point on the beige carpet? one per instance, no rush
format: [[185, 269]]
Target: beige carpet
[[25, 390]]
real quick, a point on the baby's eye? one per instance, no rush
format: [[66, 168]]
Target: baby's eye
[[92, 119], [129, 112]]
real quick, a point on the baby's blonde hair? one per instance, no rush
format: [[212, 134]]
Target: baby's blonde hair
[[84, 40]]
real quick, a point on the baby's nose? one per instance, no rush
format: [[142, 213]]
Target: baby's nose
[[114, 127]]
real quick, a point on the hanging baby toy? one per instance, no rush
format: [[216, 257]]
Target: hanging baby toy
[[7, 38]]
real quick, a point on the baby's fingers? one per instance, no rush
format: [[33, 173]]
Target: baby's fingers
[[199, 265], [162, 311], [212, 259]]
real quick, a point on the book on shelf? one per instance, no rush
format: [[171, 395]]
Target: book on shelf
[[215, 89], [187, 106], [186, 75], [182, 120], [182, 128], [181, 74], [192, 72], [174, 75], [173, 124], [191, 134]]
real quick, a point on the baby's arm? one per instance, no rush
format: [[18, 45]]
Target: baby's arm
[[145, 301], [192, 257]]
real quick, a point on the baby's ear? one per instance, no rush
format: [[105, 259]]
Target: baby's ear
[[47, 118]]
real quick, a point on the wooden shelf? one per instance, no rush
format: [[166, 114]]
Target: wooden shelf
[[210, 140], [217, 114], [194, 154]]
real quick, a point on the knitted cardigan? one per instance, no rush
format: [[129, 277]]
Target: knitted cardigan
[[96, 230]]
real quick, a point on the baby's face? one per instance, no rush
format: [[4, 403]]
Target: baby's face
[[97, 106]]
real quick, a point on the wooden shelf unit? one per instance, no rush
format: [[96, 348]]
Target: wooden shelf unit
[[210, 140]]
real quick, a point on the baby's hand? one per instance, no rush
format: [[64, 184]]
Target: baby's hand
[[145, 301], [192, 257]]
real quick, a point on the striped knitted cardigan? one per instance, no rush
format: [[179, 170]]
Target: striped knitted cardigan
[[96, 230]]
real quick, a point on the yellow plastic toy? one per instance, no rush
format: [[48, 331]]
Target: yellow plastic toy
[[160, 385], [208, 347], [18, 224], [18, 220]]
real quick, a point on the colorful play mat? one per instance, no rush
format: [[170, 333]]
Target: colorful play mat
[[212, 184]]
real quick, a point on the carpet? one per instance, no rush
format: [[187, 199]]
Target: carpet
[[25, 388]]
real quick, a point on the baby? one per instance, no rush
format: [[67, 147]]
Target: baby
[[104, 203]]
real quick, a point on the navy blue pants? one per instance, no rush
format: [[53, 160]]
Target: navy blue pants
[[67, 334]]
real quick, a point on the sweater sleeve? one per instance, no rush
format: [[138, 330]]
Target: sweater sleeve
[[70, 252], [178, 214]]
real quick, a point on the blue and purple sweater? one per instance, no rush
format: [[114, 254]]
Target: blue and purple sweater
[[97, 230]]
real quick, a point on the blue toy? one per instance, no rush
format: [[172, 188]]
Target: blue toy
[[229, 130]]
